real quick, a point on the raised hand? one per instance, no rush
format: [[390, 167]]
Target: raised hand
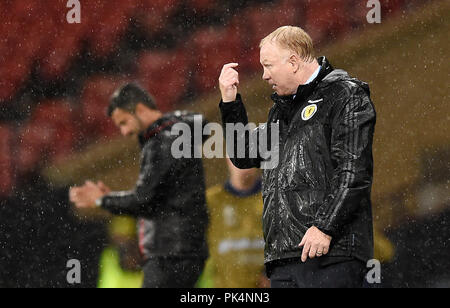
[[229, 82]]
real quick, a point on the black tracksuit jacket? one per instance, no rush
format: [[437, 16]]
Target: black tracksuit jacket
[[169, 198], [325, 169]]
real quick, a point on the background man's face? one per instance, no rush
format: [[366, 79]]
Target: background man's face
[[129, 124], [278, 71]]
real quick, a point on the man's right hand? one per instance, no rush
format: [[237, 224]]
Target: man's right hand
[[229, 82]]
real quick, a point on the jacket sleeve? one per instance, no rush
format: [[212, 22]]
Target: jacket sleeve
[[156, 163], [351, 152], [234, 114]]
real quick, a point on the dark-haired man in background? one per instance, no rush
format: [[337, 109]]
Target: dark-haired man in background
[[169, 198]]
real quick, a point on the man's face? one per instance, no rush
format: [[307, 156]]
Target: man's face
[[129, 124], [278, 71]]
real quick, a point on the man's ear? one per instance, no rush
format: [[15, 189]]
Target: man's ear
[[145, 114], [295, 62], [140, 109]]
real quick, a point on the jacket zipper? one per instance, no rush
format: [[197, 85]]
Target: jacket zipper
[[277, 172]]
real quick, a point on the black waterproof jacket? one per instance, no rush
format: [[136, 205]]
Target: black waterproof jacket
[[325, 169], [169, 198]]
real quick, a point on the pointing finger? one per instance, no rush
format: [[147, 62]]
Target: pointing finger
[[230, 65], [305, 252], [302, 242]]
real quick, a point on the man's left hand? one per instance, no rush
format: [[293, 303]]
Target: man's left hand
[[315, 244], [85, 196]]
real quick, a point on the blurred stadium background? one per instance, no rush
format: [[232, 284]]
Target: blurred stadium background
[[56, 78]]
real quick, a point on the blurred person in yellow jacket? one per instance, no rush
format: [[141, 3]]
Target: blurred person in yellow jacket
[[384, 249], [235, 235], [119, 263]]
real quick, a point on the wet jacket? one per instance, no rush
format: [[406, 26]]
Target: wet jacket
[[325, 169], [169, 198]]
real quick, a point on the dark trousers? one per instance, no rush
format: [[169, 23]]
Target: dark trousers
[[313, 274], [172, 272]]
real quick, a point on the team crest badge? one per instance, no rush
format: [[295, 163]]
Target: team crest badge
[[309, 112]]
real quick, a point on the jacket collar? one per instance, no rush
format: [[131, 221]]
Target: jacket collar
[[284, 104], [157, 127], [243, 194], [304, 91]]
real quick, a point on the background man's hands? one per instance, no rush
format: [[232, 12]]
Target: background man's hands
[[315, 244], [229, 82], [85, 196], [103, 187]]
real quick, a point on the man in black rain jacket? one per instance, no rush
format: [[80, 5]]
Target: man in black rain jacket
[[169, 198], [317, 198]]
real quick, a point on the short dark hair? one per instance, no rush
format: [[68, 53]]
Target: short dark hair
[[128, 96]]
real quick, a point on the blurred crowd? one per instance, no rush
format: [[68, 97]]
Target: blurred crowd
[[56, 77]]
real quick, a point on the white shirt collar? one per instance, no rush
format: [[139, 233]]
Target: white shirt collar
[[313, 76]]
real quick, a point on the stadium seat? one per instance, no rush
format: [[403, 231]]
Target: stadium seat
[[35, 138], [94, 101], [6, 162], [153, 15], [49, 134], [211, 49], [63, 51], [30, 43], [37, 135], [12, 76], [9, 27], [7, 90], [326, 19], [389, 7], [201, 7], [359, 13], [24, 9], [42, 33], [165, 75], [63, 41], [57, 112], [110, 28], [64, 143], [58, 121], [92, 14], [3, 10]]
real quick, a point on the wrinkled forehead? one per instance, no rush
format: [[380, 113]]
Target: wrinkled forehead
[[272, 52]]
